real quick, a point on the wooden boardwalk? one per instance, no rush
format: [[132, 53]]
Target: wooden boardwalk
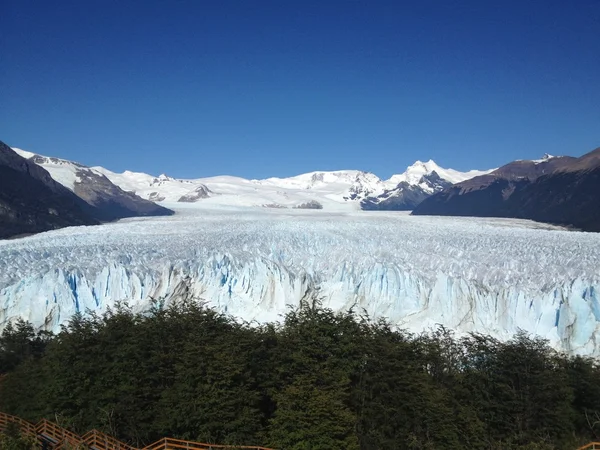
[[591, 446], [51, 436], [54, 437]]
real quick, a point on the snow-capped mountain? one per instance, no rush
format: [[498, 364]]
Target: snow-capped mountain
[[414, 173], [405, 196], [344, 189], [109, 201], [341, 186], [563, 190], [418, 182], [546, 157], [155, 188], [131, 193]]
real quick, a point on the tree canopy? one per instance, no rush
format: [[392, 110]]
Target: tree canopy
[[316, 380]]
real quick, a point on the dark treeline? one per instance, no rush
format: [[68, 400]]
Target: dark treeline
[[317, 380]]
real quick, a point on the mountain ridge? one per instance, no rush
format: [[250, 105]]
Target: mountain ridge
[[123, 194], [562, 190], [109, 201], [332, 189], [31, 201]]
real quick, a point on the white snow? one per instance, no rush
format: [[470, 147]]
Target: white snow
[[415, 172], [488, 275], [544, 158], [62, 171], [24, 153], [337, 191]]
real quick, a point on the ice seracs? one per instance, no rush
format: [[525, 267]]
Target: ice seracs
[[493, 276]]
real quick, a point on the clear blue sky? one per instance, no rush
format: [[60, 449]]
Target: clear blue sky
[[275, 88]]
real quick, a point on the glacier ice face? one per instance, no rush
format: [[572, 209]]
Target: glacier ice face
[[493, 276]]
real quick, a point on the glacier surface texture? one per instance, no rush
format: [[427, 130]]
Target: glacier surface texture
[[494, 276]]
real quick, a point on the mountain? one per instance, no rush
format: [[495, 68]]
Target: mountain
[[418, 182], [414, 173], [117, 195], [406, 196], [332, 189], [31, 201], [562, 190], [160, 188], [108, 201], [335, 190]]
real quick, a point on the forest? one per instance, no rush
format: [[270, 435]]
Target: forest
[[317, 380]]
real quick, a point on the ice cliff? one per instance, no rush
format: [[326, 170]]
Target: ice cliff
[[487, 275]]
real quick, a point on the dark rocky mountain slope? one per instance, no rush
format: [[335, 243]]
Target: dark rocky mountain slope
[[561, 190], [108, 200], [32, 202]]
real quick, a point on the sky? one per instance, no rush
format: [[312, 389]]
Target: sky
[[276, 88]]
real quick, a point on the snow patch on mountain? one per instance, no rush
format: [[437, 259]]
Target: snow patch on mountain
[[544, 158], [61, 170], [24, 153]]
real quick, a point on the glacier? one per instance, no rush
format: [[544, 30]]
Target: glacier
[[494, 276]]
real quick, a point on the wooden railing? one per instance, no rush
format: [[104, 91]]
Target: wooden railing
[[97, 439], [58, 437], [591, 446], [56, 434], [170, 443], [23, 425]]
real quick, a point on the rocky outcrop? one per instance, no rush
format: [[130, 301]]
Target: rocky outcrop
[[156, 197], [112, 202], [406, 196], [196, 194], [313, 204]]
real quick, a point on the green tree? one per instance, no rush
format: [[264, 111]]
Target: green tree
[[584, 380], [19, 342], [213, 397], [521, 391], [318, 380], [318, 356], [12, 439]]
